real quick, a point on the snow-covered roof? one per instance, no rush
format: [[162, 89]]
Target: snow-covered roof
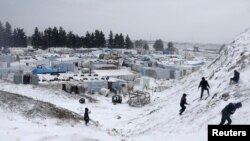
[[68, 59], [194, 62], [118, 72]]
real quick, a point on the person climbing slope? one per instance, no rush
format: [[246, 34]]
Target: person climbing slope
[[204, 86], [228, 111], [236, 77], [183, 103]]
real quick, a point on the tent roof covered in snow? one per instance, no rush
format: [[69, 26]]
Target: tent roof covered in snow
[[118, 72]]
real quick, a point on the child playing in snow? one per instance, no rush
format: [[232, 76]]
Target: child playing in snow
[[86, 116], [228, 111], [236, 77], [204, 86], [182, 103]]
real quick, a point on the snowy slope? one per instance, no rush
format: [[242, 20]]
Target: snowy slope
[[23, 118], [110, 126], [15, 127], [157, 121], [165, 124]]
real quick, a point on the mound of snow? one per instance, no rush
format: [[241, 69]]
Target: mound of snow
[[31, 108]]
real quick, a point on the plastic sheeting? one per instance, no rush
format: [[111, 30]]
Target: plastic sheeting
[[14, 69], [36, 62], [157, 73], [128, 77], [7, 58], [175, 74], [117, 85], [34, 79], [4, 65], [136, 67], [95, 85], [68, 67], [103, 66], [18, 79]]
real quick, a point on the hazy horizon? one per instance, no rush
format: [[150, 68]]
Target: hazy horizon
[[199, 21]]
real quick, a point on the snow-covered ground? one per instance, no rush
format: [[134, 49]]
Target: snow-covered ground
[[158, 120]]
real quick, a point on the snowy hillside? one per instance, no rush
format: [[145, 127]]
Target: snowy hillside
[[159, 121], [164, 122]]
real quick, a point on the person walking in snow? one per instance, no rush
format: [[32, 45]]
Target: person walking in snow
[[86, 116], [183, 103], [228, 111], [236, 77], [204, 86]]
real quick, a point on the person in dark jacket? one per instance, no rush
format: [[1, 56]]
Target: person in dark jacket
[[86, 116], [236, 77], [204, 86], [183, 103], [228, 111]]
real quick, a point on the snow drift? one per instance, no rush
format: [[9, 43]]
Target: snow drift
[[31, 108]]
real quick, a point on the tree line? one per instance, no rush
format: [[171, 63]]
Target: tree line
[[12, 38], [158, 45], [58, 37]]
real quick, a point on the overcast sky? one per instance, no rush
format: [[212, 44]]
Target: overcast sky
[[204, 21]]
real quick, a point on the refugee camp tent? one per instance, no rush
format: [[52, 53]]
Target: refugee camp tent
[[67, 66], [157, 73], [18, 78], [7, 58], [95, 85]]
